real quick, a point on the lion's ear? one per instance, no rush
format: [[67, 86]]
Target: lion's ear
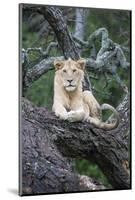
[[81, 63], [58, 64]]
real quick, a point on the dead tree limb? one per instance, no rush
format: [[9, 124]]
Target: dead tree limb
[[38, 70], [39, 50], [108, 58]]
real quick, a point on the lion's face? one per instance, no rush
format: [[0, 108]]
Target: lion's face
[[70, 72]]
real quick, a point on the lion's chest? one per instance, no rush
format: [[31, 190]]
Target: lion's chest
[[67, 104], [72, 103]]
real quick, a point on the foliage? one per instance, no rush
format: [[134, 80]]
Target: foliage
[[91, 170], [41, 91]]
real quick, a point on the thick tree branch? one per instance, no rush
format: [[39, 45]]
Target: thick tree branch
[[43, 168], [55, 19], [109, 149]]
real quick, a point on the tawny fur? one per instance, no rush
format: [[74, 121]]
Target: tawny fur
[[73, 104]]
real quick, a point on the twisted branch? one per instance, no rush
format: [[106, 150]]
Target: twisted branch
[[109, 57], [44, 54]]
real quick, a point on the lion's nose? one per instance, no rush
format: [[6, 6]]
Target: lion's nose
[[69, 81]]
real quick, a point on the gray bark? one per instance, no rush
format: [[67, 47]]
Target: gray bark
[[80, 20], [80, 16], [57, 22], [43, 168], [47, 143]]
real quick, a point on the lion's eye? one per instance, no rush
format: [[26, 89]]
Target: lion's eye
[[74, 70], [64, 70]]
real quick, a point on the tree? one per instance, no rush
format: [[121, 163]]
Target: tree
[[48, 144]]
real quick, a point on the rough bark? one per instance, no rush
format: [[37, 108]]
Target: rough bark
[[48, 142], [57, 22], [43, 168]]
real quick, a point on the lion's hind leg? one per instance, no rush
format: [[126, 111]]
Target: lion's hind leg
[[95, 110], [95, 121], [93, 106]]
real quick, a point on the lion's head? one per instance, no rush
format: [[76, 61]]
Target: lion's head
[[70, 72]]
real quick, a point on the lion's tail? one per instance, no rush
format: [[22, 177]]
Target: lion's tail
[[113, 125]]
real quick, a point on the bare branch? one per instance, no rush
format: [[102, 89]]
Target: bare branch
[[81, 42], [120, 82], [38, 70], [108, 49], [109, 57], [45, 54]]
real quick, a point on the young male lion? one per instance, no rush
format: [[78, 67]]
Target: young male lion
[[71, 102]]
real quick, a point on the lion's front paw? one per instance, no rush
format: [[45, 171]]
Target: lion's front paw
[[71, 117], [62, 116]]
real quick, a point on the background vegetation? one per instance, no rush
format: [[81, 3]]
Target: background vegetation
[[37, 33]]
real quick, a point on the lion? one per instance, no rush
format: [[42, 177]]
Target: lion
[[71, 102]]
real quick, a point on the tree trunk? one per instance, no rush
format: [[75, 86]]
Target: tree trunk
[[80, 19], [47, 143], [56, 20], [80, 22]]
